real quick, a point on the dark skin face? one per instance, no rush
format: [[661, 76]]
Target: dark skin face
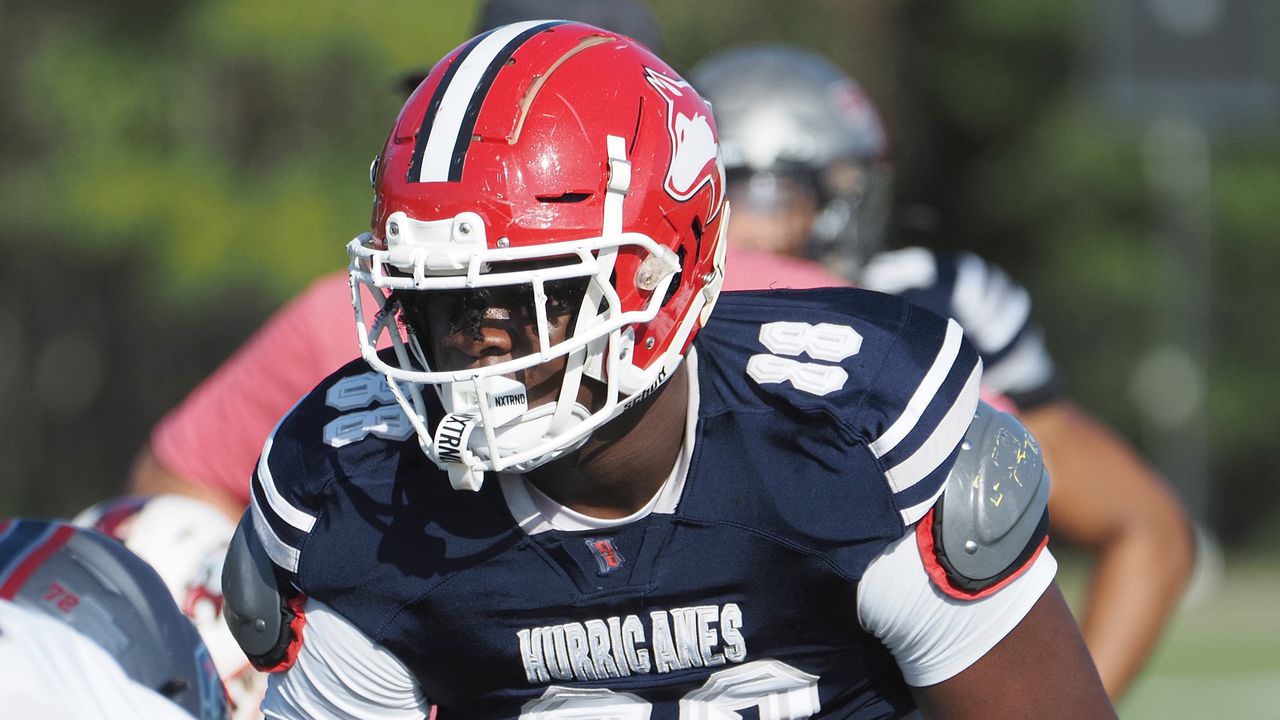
[[626, 461], [462, 336]]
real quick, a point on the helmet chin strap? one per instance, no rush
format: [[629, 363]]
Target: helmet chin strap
[[489, 419], [533, 428]]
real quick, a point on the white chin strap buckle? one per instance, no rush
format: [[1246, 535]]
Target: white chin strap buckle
[[449, 450], [451, 447]]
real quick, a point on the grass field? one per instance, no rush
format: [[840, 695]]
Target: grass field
[[1220, 659]]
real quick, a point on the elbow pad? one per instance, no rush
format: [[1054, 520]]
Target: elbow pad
[[263, 613], [992, 519]]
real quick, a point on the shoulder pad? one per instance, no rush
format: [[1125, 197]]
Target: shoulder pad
[[263, 615], [992, 519]]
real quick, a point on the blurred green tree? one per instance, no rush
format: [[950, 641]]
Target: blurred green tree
[[170, 175]]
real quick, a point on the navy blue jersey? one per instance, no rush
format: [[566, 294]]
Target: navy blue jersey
[[827, 421], [993, 309]]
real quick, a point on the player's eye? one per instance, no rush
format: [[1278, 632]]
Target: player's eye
[[459, 310], [565, 296], [464, 311]]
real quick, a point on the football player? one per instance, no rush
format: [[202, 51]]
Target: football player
[[809, 175], [580, 482], [87, 629]]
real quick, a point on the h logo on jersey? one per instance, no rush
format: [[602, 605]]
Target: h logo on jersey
[[695, 156], [607, 556]]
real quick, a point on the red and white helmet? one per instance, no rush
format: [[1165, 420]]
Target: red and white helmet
[[536, 154]]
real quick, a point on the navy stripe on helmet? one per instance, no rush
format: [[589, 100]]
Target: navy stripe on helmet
[[447, 125], [481, 91], [429, 119]]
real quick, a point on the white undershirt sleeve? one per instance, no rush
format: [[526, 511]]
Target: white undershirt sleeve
[[340, 673], [932, 635]]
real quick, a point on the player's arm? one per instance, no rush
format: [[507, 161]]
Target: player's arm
[[966, 602], [149, 476], [1041, 669], [207, 445], [1107, 500], [321, 665]]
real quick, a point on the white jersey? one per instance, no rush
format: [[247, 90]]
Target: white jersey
[[52, 672]]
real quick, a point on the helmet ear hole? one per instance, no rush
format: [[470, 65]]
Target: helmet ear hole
[[680, 255]]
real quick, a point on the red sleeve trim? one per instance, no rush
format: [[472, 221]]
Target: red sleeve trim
[[939, 576], [20, 568], [296, 625]]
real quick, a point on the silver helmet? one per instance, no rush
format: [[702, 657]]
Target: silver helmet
[[790, 122]]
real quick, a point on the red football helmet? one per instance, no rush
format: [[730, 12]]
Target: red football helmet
[[537, 156]]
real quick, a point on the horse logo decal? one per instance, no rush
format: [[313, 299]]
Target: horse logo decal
[[695, 156]]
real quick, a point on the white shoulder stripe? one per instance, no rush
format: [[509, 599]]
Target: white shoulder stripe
[[988, 303], [942, 441], [1027, 367], [280, 552], [924, 392], [279, 506], [438, 154], [900, 270]]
